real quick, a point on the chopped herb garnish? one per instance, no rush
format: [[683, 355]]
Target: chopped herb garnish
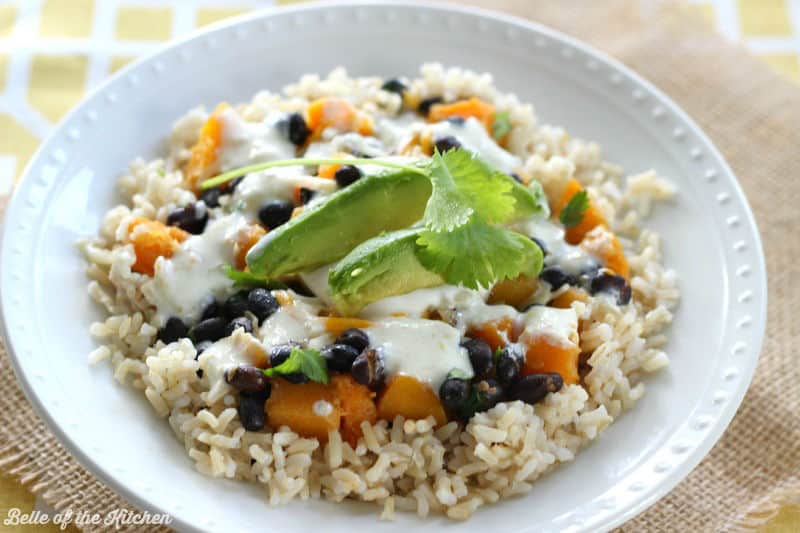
[[304, 360], [501, 125], [573, 212]]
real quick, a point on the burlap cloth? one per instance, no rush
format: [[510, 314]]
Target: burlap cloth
[[753, 116]]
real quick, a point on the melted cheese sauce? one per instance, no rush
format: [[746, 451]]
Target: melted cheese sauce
[[425, 349], [184, 284]]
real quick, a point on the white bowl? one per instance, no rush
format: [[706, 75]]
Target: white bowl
[[709, 237]]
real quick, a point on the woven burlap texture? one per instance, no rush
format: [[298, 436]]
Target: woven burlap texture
[[753, 116]]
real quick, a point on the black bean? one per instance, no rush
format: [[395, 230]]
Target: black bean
[[280, 353], [448, 142], [297, 130], [210, 197], [251, 411], [369, 369], [339, 357], [556, 277], [211, 310], [354, 337], [247, 379], [262, 304], [191, 218], [394, 86], [211, 329], [483, 395], [508, 365], [480, 355], [426, 104], [275, 213], [534, 387], [306, 195], [347, 174], [173, 329], [612, 284], [541, 245], [235, 305], [240, 322], [453, 393]]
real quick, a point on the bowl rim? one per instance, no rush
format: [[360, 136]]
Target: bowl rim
[[612, 519]]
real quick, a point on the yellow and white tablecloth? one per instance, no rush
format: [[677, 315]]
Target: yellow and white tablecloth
[[53, 51]]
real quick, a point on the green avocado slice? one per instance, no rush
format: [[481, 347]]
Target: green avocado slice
[[326, 233], [383, 266]]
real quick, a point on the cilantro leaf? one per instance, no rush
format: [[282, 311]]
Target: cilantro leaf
[[476, 254], [464, 185], [305, 361], [573, 212], [501, 125], [243, 278]]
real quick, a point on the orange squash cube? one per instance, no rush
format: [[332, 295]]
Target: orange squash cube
[[472, 107], [496, 333], [356, 403], [591, 218], [515, 292], [565, 299], [335, 325], [309, 409], [336, 113], [202, 163], [543, 355], [603, 244], [152, 239], [246, 239], [410, 398]]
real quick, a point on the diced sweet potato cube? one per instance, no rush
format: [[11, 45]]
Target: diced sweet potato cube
[[410, 398], [152, 239], [309, 409], [497, 333], [542, 355], [516, 292], [603, 244], [591, 218], [336, 113], [356, 403], [203, 162], [328, 171], [565, 299], [472, 107], [246, 239], [335, 325]]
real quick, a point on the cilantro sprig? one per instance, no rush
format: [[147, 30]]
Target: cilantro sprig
[[573, 212], [305, 361]]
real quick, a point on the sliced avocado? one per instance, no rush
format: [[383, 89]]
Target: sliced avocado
[[326, 233], [383, 266]]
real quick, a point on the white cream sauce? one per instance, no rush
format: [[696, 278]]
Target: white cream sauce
[[297, 322], [425, 349], [247, 143], [351, 143], [559, 326], [239, 349], [572, 259], [275, 184], [185, 283], [472, 136]]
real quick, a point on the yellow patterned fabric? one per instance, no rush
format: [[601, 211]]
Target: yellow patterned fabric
[[53, 51]]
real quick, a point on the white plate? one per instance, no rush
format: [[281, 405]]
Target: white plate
[[710, 238]]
